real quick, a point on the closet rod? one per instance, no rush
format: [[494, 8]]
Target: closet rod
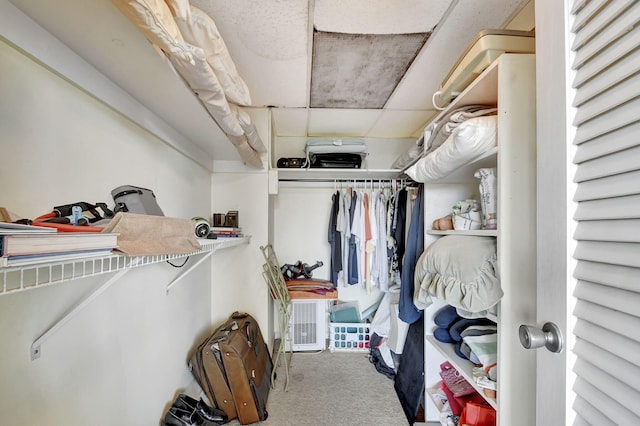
[[343, 180]]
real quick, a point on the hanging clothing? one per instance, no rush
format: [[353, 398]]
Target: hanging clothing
[[353, 240], [415, 246], [345, 228], [394, 274], [335, 239], [381, 263], [409, 379], [399, 229], [369, 245], [362, 237]]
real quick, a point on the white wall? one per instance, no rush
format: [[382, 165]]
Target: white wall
[[123, 358], [301, 219], [238, 272]]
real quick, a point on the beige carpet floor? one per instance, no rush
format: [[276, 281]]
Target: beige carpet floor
[[333, 389]]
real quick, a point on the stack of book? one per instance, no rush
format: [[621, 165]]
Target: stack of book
[[22, 245], [225, 231]]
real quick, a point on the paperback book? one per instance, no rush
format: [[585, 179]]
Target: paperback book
[[7, 261], [8, 228], [226, 231], [57, 242]]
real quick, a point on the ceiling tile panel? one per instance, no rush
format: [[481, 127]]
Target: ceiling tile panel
[[400, 124], [268, 41], [445, 46], [378, 16], [341, 122], [359, 70]]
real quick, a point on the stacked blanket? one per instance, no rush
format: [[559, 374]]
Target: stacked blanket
[[193, 44], [462, 133]]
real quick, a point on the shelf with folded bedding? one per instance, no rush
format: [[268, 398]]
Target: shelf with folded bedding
[[464, 367], [509, 200], [15, 279]]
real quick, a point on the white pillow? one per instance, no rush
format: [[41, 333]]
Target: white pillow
[[247, 153], [202, 80], [460, 270], [154, 19], [249, 128], [470, 139], [199, 29]]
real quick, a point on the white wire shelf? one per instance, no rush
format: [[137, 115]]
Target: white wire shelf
[[20, 278]]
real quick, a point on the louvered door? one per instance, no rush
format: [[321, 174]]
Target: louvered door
[[589, 264], [607, 215]]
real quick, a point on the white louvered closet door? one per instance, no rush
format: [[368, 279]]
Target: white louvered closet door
[[607, 273]]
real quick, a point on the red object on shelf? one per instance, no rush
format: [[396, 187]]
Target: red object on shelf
[[475, 414], [457, 403], [459, 392]]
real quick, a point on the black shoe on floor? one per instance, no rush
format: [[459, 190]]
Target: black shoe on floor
[[179, 417], [207, 413]]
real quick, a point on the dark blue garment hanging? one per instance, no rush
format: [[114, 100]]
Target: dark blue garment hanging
[[399, 226], [409, 380], [352, 276], [414, 248], [335, 240]]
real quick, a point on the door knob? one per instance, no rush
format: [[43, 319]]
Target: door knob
[[531, 337]]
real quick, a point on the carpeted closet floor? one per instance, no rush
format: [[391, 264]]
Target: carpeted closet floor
[[333, 389]]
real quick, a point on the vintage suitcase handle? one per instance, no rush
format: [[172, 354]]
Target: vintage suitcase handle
[[248, 334]]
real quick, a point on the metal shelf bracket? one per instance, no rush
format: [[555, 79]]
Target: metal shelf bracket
[[189, 269], [35, 346]]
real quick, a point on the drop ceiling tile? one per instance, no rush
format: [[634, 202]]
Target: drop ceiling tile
[[359, 70], [445, 46], [341, 122], [269, 44], [290, 121], [378, 16], [400, 124]]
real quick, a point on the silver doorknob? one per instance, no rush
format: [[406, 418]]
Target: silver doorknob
[[531, 337]]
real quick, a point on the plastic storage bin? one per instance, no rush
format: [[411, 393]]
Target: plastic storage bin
[[349, 337], [345, 312]]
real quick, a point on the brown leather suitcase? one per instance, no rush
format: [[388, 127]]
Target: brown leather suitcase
[[233, 367]]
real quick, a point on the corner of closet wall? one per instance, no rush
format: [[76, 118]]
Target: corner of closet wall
[[237, 273]]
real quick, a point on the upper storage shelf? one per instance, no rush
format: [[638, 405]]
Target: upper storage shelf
[[484, 90], [381, 153], [15, 279], [444, 165], [338, 174], [127, 75]]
